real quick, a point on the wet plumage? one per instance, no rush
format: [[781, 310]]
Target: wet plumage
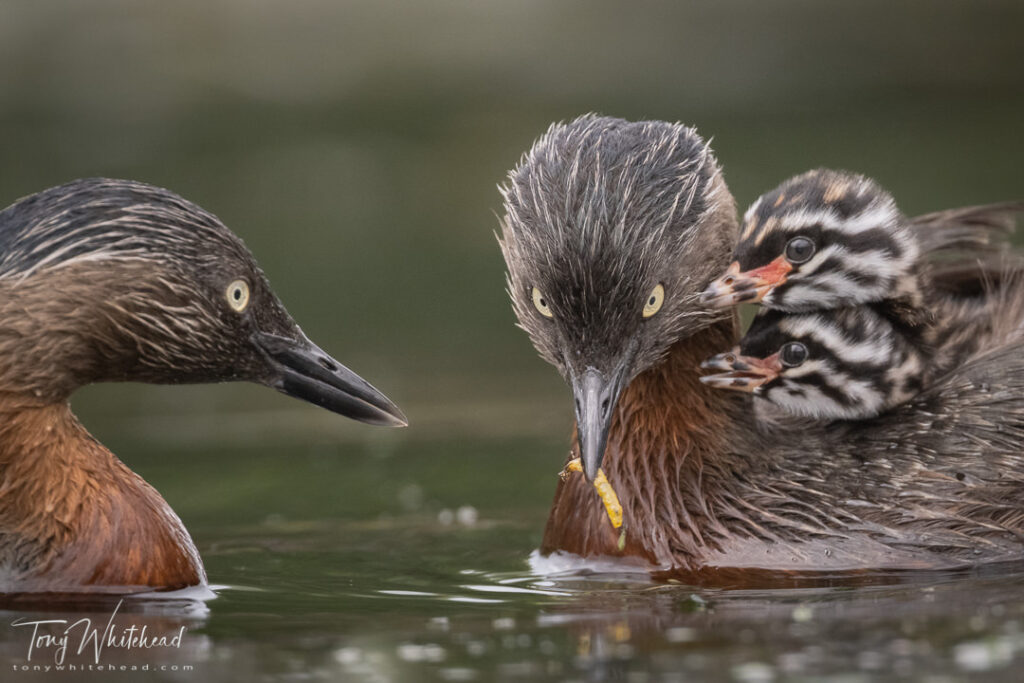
[[113, 280], [829, 239], [876, 301], [601, 211], [841, 363]]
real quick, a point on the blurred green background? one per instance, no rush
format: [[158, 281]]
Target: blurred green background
[[356, 147]]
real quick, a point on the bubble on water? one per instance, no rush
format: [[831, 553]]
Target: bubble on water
[[503, 624], [446, 517], [982, 655], [439, 624], [467, 515], [753, 672], [802, 614], [458, 674], [680, 634], [412, 652]]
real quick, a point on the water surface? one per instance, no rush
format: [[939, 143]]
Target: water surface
[[355, 146], [409, 561]]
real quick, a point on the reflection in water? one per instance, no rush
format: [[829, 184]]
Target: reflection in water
[[390, 588], [602, 627], [385, 587], [355, 145], [91, 636]]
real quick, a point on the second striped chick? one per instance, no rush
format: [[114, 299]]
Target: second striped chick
[[843, 363]]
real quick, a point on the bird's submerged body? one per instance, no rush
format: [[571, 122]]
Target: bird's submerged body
[[707, 483], [110, 280]]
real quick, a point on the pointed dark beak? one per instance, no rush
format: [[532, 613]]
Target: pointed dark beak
[[301, 369], [596, 396]]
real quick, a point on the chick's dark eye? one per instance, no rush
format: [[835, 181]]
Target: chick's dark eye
[[793, 354], [799, 250]]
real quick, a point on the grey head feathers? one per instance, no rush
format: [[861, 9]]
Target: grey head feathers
[[134, 278], [610, 231], [101, 219], [598, 214]]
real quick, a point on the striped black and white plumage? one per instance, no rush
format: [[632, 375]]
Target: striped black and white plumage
[[828, 239], [841, 363]]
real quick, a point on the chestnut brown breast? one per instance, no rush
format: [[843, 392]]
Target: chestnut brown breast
[[75, 518]]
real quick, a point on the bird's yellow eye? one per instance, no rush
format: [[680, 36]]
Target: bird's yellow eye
[[542, 304], [654, 301], [238, 295]]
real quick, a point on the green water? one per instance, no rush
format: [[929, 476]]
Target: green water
[[355, 146], [409, 562]]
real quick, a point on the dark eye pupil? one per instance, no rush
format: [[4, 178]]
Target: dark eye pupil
[[651, 301], [793, 354], [238, 294], [543, 303], [799, 249]]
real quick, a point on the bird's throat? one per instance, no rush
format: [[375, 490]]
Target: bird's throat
[[667, 451]]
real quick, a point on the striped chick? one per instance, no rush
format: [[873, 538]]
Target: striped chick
[[829, 239], [845, 363]]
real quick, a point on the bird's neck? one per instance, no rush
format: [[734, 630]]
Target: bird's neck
[[65, 327], [667, 452], [73, 517], [44, 324]]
